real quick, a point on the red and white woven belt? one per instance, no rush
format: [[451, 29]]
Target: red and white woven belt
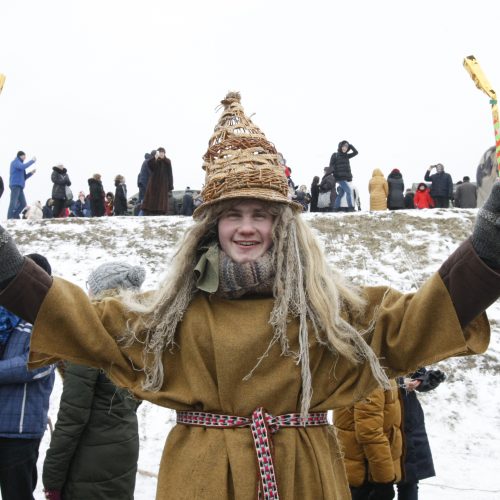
[[263, 425]]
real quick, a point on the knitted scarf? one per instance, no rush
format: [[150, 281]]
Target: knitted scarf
[[236, 280], [8, 322]]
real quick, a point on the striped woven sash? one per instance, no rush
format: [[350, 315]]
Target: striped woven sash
[[262, 425]]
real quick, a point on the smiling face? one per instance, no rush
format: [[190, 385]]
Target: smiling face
[[245, 231]]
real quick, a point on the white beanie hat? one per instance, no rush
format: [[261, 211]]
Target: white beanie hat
[[112, 275]]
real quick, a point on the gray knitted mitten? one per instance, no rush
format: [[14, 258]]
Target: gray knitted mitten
[[11, 260], [486, 235]]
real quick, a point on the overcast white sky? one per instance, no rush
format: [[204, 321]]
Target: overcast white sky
[[96, 84]]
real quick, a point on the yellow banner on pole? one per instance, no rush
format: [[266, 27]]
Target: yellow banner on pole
[[476, 73], [2, 81], [482, 83]]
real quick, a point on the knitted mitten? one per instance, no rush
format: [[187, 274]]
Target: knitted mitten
[[11, 260], [486, 235]]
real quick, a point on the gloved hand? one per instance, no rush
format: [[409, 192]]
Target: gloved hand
[[486, 235], [53, 494], [11, 260], [430, 380], [381, 491]]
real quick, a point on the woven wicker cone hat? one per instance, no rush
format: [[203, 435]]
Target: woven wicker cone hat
[[240, 162]]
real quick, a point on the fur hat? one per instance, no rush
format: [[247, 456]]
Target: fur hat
[[113, 275], [240, 162]]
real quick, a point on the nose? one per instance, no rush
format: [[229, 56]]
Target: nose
[[246, 226]]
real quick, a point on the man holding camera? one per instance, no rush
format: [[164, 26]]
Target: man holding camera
[[441, 187]]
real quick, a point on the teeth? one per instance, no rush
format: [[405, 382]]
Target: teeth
[[246, 243]]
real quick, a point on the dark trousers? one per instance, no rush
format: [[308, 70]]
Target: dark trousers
[[17, 202], [58, 207], [18, 474], [369, 491], [408, 491], [441, 201]]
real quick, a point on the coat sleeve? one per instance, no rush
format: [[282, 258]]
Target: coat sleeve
[[14, 370], [170, 175], [74, 412], [369, 430]]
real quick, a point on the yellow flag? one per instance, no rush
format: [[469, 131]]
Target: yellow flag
[[2, 81], [476, 73]]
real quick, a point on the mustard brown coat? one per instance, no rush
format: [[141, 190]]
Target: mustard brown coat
[[378, 189], [219, 342], [371, 439]]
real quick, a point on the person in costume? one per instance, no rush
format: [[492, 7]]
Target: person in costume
[[253, 336]]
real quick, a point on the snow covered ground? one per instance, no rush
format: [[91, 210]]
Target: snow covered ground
[[399, 248]]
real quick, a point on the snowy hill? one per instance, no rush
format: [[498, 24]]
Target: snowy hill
[[399, 248]]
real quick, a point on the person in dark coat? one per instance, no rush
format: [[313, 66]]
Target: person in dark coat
[[314, 194], [395, 197], [418, 463], [341, 166], [160, 184], [327, 185], [96, 193], [120, 206], [1, 187], [143, 177], [409, 195], [466, 194], [187, 202], [94, 448], [47, 211], [441, 187], [81, 207], [60, 180]]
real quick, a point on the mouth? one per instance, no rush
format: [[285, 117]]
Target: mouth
[[247, 243]]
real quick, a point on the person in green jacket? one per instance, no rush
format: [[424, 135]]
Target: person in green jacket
[[95, 445]]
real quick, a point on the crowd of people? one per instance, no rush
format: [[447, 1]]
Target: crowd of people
[[155, 183], [333, 192], [252, 337]]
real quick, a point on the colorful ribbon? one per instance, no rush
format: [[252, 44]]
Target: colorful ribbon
[[262, 425]]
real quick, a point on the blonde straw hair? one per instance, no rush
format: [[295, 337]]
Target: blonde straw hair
[[306, 287]]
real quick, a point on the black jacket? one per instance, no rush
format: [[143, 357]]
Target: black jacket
[[418, 458], [143, 177], [409, 200], [442, 185], [314, 197], [120, 205], [395, 198], [60, 179], [341, 166], [96, 192], [1, 187]]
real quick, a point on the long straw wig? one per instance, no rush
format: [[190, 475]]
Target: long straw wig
[[306, 287]]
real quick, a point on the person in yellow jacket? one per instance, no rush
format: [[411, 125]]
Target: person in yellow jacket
[[379, 190], [371, 437]]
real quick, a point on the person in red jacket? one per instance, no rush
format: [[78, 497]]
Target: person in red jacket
[[423, 198]]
